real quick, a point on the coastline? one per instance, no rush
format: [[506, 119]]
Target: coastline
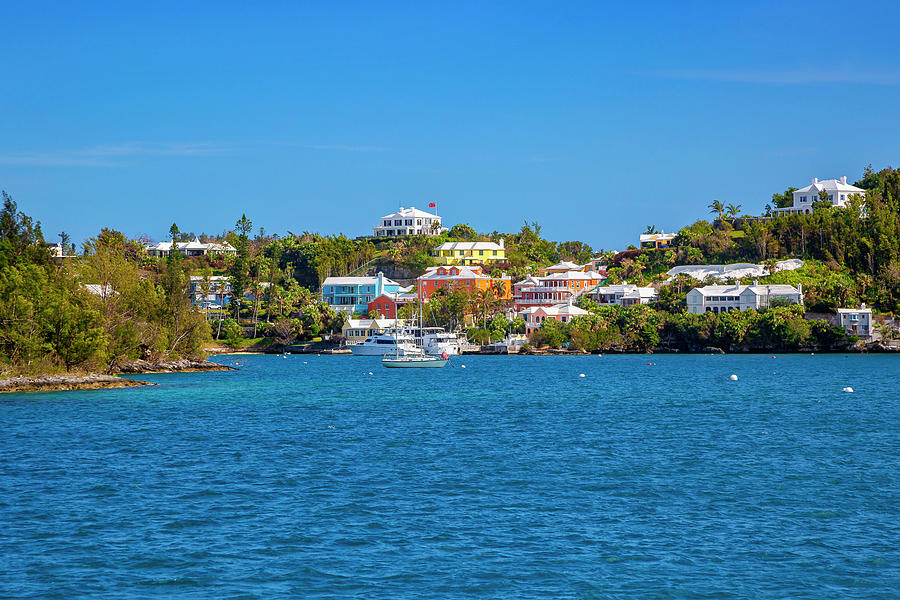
[[54, 383], [98, 381]]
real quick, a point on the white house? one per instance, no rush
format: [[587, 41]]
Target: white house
[[857, 321], [839, 193], [193, 248], [409, 221], [725, 298], [625, 294]]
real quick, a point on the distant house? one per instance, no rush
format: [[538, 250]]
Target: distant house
[[353, 294], [564, 267], [217, 296], [355, 331], [857, 321], [409, 221], [557, 288], [193, 248], [470, 253], [625, 294], [838, 190], [471, 279], [536, 315], [726, 298], [657, 241], [388, 303]]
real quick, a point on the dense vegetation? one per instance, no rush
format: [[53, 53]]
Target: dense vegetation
[[89, 314]]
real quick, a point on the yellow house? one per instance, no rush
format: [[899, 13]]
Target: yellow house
[[355, 331], [470, 253]]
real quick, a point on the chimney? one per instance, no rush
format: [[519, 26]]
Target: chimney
[[502, 243], [815, 180], [756, 282], [844, 179]]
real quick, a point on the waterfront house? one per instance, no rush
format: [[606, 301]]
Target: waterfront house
[[557, 288], [838, 190], [409, 221], [352, 294], [216, 296], [389, 303], [355, 331], [468, 278], [470, 253], [624, 294], [657, 241], [725, 298], [520, 286], [193, 248], [534, 316], [857, 321]]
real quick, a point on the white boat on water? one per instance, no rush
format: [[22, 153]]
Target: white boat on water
[[438, 342], [389, 342], [417, 359], [414, 361]]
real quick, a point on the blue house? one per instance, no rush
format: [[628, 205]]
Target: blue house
[[352, 294]]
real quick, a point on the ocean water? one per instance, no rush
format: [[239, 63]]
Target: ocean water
[[514, 477]]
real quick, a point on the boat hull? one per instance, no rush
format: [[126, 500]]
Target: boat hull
[[375, 350], [414, 363]]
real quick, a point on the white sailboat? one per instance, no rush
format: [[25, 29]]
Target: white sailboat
[[418, 359]]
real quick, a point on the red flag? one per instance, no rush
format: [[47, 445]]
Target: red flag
[[431, 205]]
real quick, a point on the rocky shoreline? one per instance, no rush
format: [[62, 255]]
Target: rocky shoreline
[[184, 365], [96, 381], [49, 383]]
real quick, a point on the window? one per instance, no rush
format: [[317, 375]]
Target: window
[[495, 253], [481, 253], [398, 222]]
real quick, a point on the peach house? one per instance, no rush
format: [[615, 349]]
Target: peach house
[[468, 278]]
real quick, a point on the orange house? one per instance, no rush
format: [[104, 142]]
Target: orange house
[[470, 279], [387, 304]]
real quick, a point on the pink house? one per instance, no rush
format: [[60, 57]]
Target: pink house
[[536, 315]]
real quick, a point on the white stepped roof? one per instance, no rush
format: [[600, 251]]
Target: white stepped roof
[[410, 213]]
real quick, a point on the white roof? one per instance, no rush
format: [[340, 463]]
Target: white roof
[[654, 237], [830, 185], [590, 275], [559, 310], [366, 323], [567, 265], [736, 290], [463, 273], [410, 213], [356, 281], [627, 289], [211, 277], [469, 246], [845, 311]]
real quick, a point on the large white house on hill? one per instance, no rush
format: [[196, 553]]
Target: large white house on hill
[[409, 221], [839, 193]]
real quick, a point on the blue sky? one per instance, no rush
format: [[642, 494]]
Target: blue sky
[[593, 120]]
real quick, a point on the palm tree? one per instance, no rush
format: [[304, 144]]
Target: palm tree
[[733, 210], [716, 207], [651, 229]]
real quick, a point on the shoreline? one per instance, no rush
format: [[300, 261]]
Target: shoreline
[[99, 381]]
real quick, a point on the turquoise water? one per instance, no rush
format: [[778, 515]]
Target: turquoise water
[[307, 477]]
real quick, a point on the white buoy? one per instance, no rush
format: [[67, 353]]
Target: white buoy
[[581, 374], [462, 366], [733, 377], [848, 389], [370, 372]]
